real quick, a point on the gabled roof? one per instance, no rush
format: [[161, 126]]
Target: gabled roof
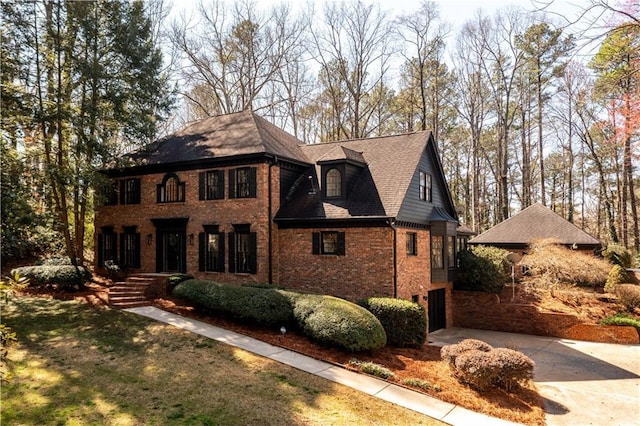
[[221, 136], [533, 223], [391, 164]]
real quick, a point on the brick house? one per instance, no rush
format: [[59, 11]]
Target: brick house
[[235, 199]]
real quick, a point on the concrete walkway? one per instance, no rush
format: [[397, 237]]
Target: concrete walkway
[[583, 383], [416, 401]]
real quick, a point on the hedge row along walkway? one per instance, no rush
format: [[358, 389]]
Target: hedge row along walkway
[[415, 401]]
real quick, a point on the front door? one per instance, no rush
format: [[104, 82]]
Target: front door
[[171, 245], [172, 251]]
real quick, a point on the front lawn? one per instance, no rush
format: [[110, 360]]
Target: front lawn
[[76, 364]]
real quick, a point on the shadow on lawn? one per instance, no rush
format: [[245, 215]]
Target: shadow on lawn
[[104, 366]]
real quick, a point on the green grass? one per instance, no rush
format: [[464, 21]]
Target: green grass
[[77, 365], [622, 319]]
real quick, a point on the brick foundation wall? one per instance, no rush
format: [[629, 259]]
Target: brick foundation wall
[[486, 311], [492, 312]]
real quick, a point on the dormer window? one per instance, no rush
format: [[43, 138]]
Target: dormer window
[[171, 190], [333, 183]]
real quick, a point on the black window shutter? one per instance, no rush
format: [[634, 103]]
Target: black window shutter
[[232, 252], [220, 184], [201, 251], [159, 191], [232, 183], [123, 260], [100, 250], [136, 262], [253, 252], [122, 192], [252, 182], [316, 243], [340, 248], [201, 186], [220, 265]]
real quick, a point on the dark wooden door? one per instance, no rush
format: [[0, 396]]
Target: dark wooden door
[[437, 310]]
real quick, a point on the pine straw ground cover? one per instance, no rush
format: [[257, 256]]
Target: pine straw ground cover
[[422, 366]]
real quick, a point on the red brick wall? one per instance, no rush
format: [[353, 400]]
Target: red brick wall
[[365, 270], [414, 272], [224, 212], [486, 311]]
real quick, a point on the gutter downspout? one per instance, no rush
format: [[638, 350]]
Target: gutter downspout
[[392, 225], [269, 212]]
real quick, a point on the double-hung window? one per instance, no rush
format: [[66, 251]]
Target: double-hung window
[[243, 250], [211, 249], [328, 243], [130, 247], [412, 244], [242, 182], [425, 187], [212, 185], [107, 245], [437, 252]]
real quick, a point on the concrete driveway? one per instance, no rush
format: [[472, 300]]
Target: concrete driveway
[[583, 383]]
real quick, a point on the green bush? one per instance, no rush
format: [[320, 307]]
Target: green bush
[[404, 322], [66, 277], [58, 261], [256, 305], [176, 279], [337, 322], [617, 275], [617, 255], [373, 369], [483, 268], [628, 296], [622, 319]]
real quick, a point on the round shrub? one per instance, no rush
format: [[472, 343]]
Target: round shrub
[[512, 366], [477, 364], [449, 353], [617, 275], [628, 296], [337, 322], [404, 322], [483, 268], [256, 305], [67, 277]]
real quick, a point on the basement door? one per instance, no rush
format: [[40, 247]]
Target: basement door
[[437, 309]]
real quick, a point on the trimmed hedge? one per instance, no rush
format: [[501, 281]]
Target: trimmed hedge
[[260, 305], [337, 322], [404, 322], [65, 276], [621, 320], [477, 364]]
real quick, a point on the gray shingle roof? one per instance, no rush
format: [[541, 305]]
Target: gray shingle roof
[[379, 191], [221, 136], [535, 222]]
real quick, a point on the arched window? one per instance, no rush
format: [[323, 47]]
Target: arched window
[[171, 190], [333, 183]]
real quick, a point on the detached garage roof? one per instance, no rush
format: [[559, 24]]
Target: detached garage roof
[[534, 223]]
